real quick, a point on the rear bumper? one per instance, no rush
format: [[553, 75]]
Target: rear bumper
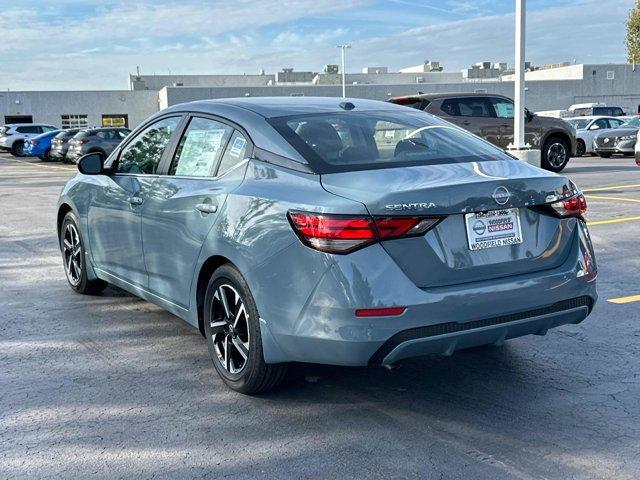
[[321, 327], [444, 339], [57, 154]]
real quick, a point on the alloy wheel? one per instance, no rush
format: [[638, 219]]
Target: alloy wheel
[[556, 154], [72, 250], [230, 329]]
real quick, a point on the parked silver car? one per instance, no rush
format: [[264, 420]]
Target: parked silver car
[[621, 140], [13, 136], [588, 128]]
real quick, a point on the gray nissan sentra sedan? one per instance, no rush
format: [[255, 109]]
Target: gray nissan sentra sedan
[[323, 230]]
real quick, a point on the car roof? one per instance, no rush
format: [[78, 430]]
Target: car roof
[[28, 124], [590, 117], [269, 107], [437, 96], [251, 113]]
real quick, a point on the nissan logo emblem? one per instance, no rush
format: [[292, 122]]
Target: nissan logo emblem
[[501, 195]]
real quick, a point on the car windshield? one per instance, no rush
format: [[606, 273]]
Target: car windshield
[[579, 123], [334, 142], [633, 123]]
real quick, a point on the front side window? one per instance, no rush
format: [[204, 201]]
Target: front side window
[[502, 107], [143, 154], [333, 142], [200, 148], [601, 123]]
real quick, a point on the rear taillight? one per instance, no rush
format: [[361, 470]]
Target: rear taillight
[[33, 142], [572, 207], [345, 233], [80, 142]]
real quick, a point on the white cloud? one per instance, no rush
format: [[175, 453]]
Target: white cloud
[[226, 38]]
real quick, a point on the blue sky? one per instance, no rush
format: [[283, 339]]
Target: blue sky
[[90, 44]]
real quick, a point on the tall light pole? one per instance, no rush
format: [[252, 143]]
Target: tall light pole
[[518, 114], [344, 81]]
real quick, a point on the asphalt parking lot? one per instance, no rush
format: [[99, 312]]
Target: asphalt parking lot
[[114, 387]]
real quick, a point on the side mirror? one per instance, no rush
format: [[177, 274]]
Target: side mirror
[[594, 127], [91, 164], [528, 115]]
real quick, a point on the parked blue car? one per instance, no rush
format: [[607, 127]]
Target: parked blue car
[[40, 146], [342, 232]]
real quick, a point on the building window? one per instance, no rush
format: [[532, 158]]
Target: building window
[[74, 121], [611, 75], [115, 120]]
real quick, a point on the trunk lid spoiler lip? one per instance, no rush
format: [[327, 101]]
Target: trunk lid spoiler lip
[[439, 190]]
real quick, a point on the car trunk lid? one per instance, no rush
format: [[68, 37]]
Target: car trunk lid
[[457, 191]]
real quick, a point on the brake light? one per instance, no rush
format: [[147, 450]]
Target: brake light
[[345, 233], [33, 142], [80, 141], [572, 207]]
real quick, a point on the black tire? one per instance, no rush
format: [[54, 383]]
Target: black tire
[[17, 149], [242, 368], [73, 258], [47, 156], [555, 154], [604, 155], [581, 148]]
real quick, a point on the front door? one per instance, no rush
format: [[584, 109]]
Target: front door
[[503, 112], [114, 221], [187, 201]]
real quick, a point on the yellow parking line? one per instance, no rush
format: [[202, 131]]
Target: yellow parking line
[[610, 187], [613, 220], [52, 167], [620, 199], [629, 299]]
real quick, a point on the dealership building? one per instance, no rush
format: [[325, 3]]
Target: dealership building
[[551, 87]]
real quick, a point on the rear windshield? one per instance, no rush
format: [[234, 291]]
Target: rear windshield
[[335, 142], [633, 123], [4, 130], [83, 133], [66, 133]]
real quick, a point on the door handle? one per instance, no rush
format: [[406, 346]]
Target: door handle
[[207, 208], [135, 200]]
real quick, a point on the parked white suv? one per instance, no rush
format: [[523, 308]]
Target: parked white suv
[[587, 128], [13, 135]]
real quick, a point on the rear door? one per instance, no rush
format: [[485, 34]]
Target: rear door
[[187, 199]]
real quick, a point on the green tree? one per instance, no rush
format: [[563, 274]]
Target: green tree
[[633, 33]]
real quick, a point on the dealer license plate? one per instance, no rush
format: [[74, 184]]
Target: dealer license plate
[[496, 228]]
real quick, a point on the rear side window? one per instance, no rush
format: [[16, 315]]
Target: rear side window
[[143, 154], [334, 142], [234, 153], [200, 148], [467, 107], [28, 129]]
